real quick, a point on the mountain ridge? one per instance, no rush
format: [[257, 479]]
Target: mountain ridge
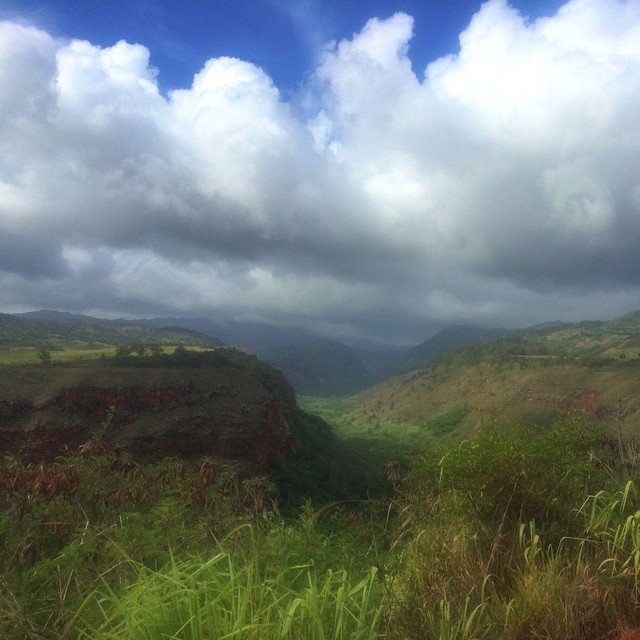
[[591, 368], [315, 364], [54, 329]]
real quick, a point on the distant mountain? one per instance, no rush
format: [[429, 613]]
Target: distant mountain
[[546, 327], [313, 364], [50, 314], [255, 335], [442, 342], [57, 330], [199, 325], [326, 368], [379, 361]]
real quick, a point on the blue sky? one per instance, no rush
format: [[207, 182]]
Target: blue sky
[[372, 169], [281, 36]]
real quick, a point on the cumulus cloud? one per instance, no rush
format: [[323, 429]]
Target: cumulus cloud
[[500, 186]]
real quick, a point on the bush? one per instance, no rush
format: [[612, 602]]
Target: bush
[[494, 543], [516, 473]]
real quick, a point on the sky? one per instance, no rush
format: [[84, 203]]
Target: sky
[[374, 169]]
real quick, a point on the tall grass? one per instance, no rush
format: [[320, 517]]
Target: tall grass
[[516, 534], [230, 596], [498, 541]]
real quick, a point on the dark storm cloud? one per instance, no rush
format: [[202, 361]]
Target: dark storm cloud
[[502, 186], [31, 257]]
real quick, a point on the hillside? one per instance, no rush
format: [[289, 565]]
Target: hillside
[[323, 369], [592, 368], [221, 403], [440, 343], [55, 330]]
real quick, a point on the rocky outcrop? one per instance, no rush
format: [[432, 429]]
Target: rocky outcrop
[[225, 405]]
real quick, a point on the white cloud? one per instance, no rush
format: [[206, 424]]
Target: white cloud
[[501, 185], [24, 95]]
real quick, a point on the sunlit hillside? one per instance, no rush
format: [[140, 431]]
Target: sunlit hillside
[[589, 368]]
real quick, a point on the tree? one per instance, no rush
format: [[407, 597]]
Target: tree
[[123, 350], [155, 350], [140, 348]]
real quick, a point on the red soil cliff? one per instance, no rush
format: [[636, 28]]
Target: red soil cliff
[[228, 406]]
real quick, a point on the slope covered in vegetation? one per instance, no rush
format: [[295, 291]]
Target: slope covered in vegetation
[[590, 368], [21, 337], [503, 527], [520, 532]]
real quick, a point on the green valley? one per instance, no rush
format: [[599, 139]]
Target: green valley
[[493, 494]]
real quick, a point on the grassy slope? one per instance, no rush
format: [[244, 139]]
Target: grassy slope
[[405, 415], [521, 389], [81, 334], [592, 368]]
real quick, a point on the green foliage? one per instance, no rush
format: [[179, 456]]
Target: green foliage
[[235, 595], [446, 420], [518, 473], [324, 468], [370, 436], [142, 528], [489, 538], [612, 522], [150, 356], [44, 356], [65, 522], [496, 540], [123, 350]]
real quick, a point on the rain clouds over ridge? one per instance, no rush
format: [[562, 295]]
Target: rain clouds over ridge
[[502, 186]]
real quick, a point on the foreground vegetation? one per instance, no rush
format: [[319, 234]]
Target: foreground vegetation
[[518, 532], [526, 529]]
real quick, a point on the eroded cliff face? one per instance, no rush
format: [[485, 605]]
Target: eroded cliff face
[[232, 408]]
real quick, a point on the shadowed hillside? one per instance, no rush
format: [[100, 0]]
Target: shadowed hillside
[[220, 403]]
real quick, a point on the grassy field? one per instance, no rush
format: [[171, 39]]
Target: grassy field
[[29, 355]]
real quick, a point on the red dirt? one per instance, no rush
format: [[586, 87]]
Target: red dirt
[[243, 412]]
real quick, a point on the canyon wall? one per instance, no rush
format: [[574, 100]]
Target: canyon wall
[[228, 406]]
